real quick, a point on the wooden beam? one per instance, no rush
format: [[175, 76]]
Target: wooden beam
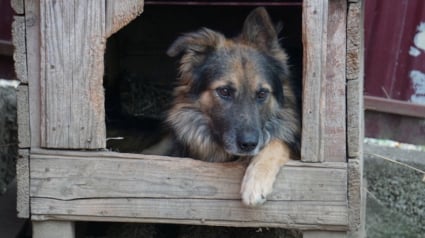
[[222, 3], [333, 135], [394, 106], [315, 20], [291, 215], [23, 115], [19, 48], [355, 68], [72, 97], [23, 184], [32, 34], [122, 187]]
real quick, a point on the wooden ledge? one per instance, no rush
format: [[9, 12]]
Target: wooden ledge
[[93, 186]]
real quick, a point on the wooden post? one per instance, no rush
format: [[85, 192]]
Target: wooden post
[[355, 119], [324, 107], [53, 229], [315, 15]]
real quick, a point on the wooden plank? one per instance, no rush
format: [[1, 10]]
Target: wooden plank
[[226, 3], [93, 174], [32, 28], [334, 115], [139, 188], [314, 19], [354, 41], [324, 234], [392, 106], [355, 108], [72, 48], [355, 118], [287, 214], [23, 117], [120, 13], [356, 198], [19, 54], [23, 184], [53, 229]]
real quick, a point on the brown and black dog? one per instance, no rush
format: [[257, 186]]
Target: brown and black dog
[[235, 99]]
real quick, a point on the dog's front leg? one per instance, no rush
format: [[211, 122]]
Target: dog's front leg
[[262, 171]]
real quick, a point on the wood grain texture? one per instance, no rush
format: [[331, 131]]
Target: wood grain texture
[[301, 215], [73, 38], [355, 83], [356, 203], [355, 118], [23, 184], [120, 13], [354, 40], [23, 117], [32, 28], [72, 47], [314, 20], [152, 188], [333, 137], [53, 229], [94, 174], [19, 54]]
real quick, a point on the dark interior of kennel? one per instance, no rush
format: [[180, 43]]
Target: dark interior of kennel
[[139, 76]]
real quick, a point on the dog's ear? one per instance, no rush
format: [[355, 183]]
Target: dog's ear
[[259, 30], [199, 42]]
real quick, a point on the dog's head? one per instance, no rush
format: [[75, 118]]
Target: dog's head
[[233, 86]]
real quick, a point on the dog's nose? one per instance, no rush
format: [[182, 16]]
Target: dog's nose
[[247, 140]]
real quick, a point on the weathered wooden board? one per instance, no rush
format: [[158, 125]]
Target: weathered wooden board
[[355, 198], [355, 118], [94, 175], [92, 185], [32, 28], [354, 41], [355, 69], [120, 13], [315, 19], [23, 184], [73, 37], [23, 116], [72, 47], [334, 115], [300, 215], [19, 54]]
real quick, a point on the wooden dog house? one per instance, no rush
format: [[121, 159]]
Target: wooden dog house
[[65, 174]]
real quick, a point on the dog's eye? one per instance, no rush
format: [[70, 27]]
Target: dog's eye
[[225, 92], [262, 94]]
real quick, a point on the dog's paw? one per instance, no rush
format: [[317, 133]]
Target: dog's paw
[[255, 188]]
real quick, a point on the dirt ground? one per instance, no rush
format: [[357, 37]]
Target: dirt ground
[[395, 205]]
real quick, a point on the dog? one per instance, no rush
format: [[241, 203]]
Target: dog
[[235, 99]]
